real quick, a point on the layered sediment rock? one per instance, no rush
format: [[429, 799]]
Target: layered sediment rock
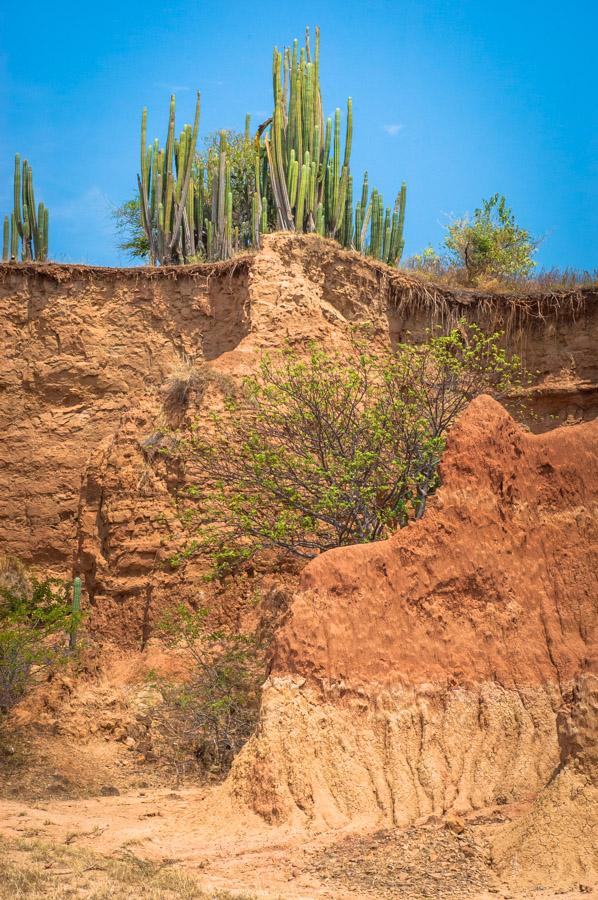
[[429, 673], [85, 354]]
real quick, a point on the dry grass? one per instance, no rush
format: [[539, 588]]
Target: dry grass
[[565, 279], [190, 377], [508, 307], [14, 576], [186, 376], [62, 272], [35, 870]]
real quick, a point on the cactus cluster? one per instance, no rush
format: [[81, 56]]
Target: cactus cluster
[[187, 200], [301, 179], [310, 179], [310, 172], [165, 190], [385, 229], [27, 227]]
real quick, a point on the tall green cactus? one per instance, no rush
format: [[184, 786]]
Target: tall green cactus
[[27, 225], [192, 207], [187, 208], [164, 187], [309, 171], [386, 240], [5, 239], [297, 147]]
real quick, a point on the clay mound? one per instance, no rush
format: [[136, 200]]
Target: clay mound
[[556, 843], [426, 673], [499, 581]]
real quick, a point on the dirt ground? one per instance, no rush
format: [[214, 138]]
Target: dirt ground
[[192, 843]]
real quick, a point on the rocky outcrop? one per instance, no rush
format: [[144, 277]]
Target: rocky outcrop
[[428, 673], [86, 352]]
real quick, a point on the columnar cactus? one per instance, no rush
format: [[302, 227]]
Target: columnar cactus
[[27, 225], [297, 147], [300, 180], [309, 171], [164, 187]]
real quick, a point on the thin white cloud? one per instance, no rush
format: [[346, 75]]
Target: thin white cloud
[[393, 129]]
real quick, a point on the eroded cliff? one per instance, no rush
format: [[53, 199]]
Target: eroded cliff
[[86, 354], [434, 672]]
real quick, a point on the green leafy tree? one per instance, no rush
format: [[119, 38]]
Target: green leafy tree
[[324, 451], [133, 239], [491, 243], [241, 156], [35, 617]]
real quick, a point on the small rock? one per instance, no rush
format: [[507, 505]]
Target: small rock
[[454, 823]]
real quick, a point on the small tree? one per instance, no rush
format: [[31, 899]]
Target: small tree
[[491, 243], [133, 239], [324, 451]]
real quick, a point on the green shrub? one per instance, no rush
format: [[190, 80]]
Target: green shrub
[[491, 243], [329, 450], [428, 261], [35, 617], [207, 719]]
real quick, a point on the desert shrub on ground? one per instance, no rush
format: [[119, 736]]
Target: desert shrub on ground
[[332, 449], [35, 620], [205, 720]]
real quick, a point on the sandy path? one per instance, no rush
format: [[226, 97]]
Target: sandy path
[[225, 848]]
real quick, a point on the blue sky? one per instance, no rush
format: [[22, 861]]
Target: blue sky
[[459, 98]]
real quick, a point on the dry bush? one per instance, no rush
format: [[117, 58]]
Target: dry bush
[[565, 279], [191, 377], [14, 577], [186, 376], [202, 723]]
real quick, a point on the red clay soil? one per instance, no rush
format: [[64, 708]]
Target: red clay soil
[[498, 582], [87, 354], [451, 668]]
